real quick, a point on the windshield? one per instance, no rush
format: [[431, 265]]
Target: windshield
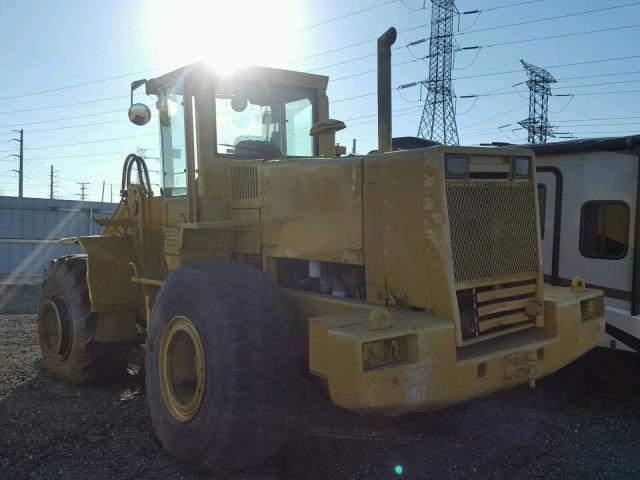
[[265, 121]]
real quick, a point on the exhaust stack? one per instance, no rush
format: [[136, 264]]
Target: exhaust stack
[[385, 41]]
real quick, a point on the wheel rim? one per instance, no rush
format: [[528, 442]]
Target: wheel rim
[[182, 368], [55, 327]]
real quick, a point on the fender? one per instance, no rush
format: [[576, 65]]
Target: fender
[[112, 294]]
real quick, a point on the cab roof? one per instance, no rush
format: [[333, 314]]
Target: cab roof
[[253, 73]]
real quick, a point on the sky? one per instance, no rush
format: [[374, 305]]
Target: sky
[[85, 54]]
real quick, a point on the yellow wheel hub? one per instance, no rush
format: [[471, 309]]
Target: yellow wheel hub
[[182, 368]]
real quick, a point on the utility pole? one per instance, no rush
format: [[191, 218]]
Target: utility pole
[[21, 157], [102, 200], [111, 185], [438, 120], [83, 188], [539, 91], [51, 183]]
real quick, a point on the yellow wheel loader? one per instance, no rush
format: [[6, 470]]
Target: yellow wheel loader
[[408, 279]]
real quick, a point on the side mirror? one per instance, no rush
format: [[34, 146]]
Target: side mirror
[[139, 114]]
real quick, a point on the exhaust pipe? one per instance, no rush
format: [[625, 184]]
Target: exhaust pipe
[[385, 41]]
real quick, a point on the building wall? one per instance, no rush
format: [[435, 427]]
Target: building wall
[[30, 228]]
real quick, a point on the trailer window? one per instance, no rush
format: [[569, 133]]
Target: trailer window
[[542, 205], [604, 229]]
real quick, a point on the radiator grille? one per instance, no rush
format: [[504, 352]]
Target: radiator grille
[[496, 308], [244, 182], [493, 230]]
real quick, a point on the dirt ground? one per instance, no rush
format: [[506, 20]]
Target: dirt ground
[[583, 422]]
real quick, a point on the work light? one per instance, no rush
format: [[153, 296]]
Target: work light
[[520, 167], [457, 166]]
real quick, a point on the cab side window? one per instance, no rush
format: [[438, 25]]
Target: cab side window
[[299, 120]]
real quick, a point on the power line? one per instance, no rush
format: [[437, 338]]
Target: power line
[[323, 53], [124, 75], [562, 35], [609, 131], [500, 7], [596, 119], [375, 114], [129, 74], [496, 92], [78, 126], [90, 154], [490, 74], [120, 110], [85, 102], [573, 64], [602, 93], [86, 142], [469, 12], [535, 39], [600, 124], [598, 84], [351, 45], [98, 100], [90, 82], [341, 17], [612, 74], [493, 117], [537, 20]]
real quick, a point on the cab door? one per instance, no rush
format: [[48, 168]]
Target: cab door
[[178, 165]]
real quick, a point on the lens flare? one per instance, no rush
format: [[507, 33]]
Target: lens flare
[[226, 34]]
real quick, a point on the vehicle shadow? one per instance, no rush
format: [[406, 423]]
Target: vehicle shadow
[[574, 421]]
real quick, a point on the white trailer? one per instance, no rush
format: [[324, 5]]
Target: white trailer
[[589, 192]]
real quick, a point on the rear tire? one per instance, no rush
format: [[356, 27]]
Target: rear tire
[[221, 367], [67, 327]]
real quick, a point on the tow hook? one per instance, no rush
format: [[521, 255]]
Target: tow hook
[[523, 365]]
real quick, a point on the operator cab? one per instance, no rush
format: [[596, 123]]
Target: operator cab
[[208, 119]]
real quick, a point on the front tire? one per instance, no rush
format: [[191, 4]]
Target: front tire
[[221, 366], [67, 327]]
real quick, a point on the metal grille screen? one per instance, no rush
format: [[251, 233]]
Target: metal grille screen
[[493, 229], [244, 182]]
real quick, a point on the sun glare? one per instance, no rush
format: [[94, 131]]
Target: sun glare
[[226, 34]]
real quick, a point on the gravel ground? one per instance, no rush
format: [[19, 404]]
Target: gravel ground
[[18, 298], [583, 422]]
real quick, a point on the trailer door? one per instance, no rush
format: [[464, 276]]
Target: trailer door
[[550, 204]]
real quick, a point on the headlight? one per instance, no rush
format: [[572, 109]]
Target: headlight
[[520, 167], [389, 351], [457, 166], [592, 308]]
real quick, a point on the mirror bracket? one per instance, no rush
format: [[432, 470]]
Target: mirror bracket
[[135, 85]]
